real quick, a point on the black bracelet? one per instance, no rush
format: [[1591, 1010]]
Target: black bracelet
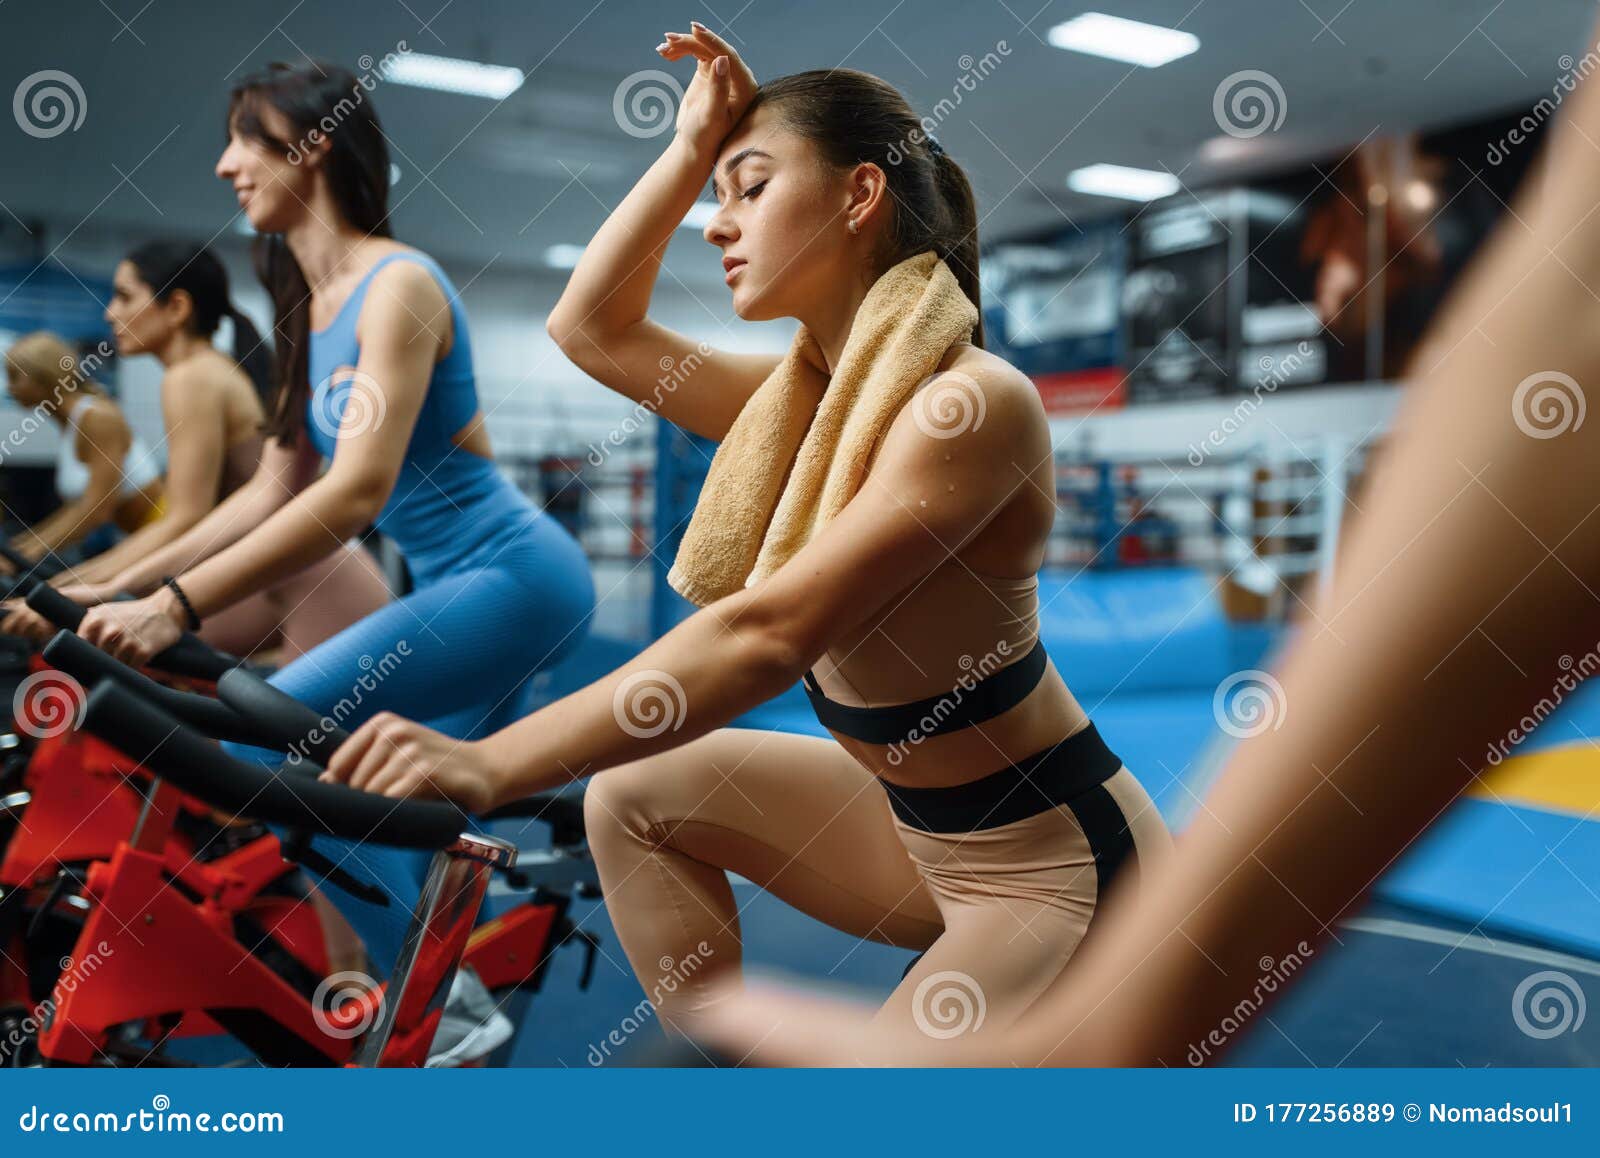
[[183, 600]]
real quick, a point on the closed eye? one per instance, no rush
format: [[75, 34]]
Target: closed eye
[[751, 193]]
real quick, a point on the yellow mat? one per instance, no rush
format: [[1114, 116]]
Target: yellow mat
[[1565, 779]]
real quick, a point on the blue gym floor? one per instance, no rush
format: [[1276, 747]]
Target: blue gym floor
[[1498, 893], [1426, 975], [1401, 990]]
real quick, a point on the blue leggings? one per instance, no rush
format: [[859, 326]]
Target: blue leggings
[[454, 654]]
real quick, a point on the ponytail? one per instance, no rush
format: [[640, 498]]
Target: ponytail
[[308, 95], [852, 118], [958, 243], [286, 284], [251, 353], [169, 266]]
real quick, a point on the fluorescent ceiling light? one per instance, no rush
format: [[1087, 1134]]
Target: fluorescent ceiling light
[[1121, 181], [563, 256], [1127, 40], [699, 215], [447, 74]]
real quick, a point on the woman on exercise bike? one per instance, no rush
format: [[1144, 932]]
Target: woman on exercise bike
[[107, 480], [981, 824], [373, 376], [168, 300]]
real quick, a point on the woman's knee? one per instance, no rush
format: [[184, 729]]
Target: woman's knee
[[625, 800], [644, 798]]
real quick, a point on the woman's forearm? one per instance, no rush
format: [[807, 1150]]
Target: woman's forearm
[[227, 523], [709, 669], [26, 542], [610, 287], [303, 531], [1454, 600], [148, 539], [69, 524]]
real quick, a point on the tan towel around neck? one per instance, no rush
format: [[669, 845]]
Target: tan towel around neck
[[743, 529]]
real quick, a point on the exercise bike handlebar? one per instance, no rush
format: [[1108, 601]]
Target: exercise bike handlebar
[[17, 586], [89, 665], [15, 557], [26, 573], [287, 724], [26, 567], [145, 732], [188, 657]]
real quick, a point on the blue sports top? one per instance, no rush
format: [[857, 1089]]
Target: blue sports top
[[450, 506]]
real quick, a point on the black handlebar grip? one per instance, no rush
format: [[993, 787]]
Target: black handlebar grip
[[562, 810], [87, 664], [194, 658], [27, 568], [21, 584], [144, 732], [188, 657], [294, 727], [55, 607]]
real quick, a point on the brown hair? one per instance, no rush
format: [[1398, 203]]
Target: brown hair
[[854, 117], [310, 95]]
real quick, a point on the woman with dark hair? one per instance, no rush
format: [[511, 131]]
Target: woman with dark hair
[[373, 374], [168, 300], [846, 525], [1462, 590]]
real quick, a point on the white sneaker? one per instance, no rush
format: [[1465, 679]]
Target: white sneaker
[[471, 1026]]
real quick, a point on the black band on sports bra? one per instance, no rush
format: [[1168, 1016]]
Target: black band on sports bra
[[947, 712], [1059, 774]]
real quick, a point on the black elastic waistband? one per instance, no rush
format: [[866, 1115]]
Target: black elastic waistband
[[961, 707], [1036, 783]]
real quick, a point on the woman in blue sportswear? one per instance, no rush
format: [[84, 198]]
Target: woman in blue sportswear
[[373, 374]]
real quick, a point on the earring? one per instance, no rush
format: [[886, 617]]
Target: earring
[[853, 227]]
